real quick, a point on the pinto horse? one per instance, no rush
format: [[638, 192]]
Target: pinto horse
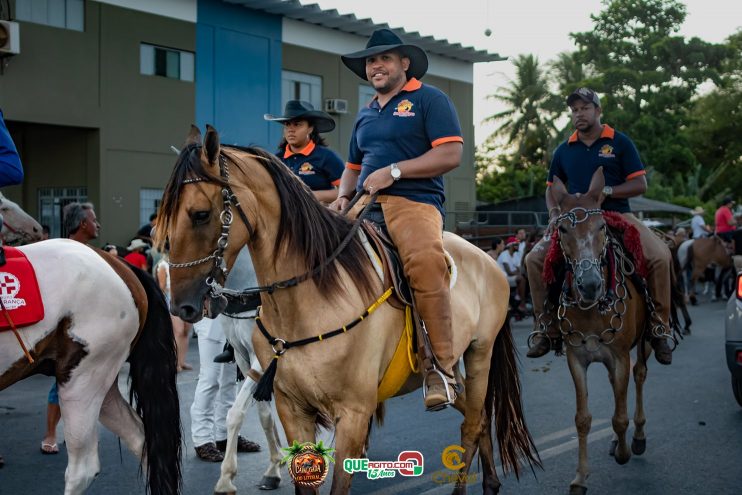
[[598, 324], [696, 255], [333, 382], [99, 311]]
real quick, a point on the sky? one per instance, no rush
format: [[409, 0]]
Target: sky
[[540, 27]]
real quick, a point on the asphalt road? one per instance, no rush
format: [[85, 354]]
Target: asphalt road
[[694, 430]]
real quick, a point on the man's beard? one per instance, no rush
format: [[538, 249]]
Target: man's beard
[[391, 84]]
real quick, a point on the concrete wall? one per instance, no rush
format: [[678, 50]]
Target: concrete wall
[[83, 115]]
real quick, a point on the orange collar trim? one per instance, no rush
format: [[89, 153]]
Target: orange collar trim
[[607, 132], [412, 85], [306, 151]]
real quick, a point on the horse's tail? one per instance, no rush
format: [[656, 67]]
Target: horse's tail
[[152, 372], [504, 395]]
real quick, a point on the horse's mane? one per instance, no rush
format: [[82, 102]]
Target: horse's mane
[[306, 228]]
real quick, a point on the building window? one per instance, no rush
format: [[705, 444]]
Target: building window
[[66, 14], [298, 86], [365, 94], [166, 62], [52, 201], [149, 203]]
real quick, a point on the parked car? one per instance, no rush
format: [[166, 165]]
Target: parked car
[[734, 338]]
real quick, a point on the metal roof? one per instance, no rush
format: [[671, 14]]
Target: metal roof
[[349, 23]]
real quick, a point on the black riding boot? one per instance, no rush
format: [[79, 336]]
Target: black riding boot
[[226, 356]]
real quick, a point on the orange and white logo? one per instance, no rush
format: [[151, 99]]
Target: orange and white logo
[[404, 108], [306, 169], [606, 151]]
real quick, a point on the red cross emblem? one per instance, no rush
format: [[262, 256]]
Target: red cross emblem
[[9, 285]]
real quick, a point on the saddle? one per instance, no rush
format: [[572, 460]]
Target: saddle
[[388, 257], [20, 299]]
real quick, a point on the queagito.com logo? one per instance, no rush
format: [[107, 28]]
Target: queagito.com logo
[[408, 463]]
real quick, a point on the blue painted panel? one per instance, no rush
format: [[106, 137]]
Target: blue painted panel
[[238, 70]]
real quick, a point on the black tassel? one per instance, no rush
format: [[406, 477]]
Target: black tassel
[[264, 389]]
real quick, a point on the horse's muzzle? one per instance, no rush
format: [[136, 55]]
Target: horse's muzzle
[[589, 285]]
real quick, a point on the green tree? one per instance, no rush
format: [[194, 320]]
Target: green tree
[[648, 75], [527, 122]]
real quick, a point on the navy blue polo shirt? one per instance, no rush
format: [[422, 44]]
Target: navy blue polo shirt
[[574, 163], [11, 171], [318, 166], [413, 122]]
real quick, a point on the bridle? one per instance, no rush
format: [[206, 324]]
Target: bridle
[[229, 200], [576, 216]]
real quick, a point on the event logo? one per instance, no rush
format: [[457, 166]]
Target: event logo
[[9, 287], [606, 151], [408, 463], [403, 109], [306, 169], [308, 463], [452, 459]]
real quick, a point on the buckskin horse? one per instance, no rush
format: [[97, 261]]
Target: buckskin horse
[[99, 311], [332, 382], [602, 314]]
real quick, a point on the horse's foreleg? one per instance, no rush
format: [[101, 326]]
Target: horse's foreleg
[[298, 426], [619, 375], [272, 475], [583, 421], [119, 417], [351, 430], [235, 417], [639, 441]]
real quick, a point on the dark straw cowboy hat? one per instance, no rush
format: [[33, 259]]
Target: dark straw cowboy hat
[[384, 40], [303, 110]]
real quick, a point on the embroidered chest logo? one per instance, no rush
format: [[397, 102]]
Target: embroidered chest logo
[[606, 151], [404, 108], [9, 287], [306, 169]]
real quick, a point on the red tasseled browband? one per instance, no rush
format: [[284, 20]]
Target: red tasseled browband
[[631, 242]]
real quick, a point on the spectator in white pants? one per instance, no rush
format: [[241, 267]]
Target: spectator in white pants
[[215, 390]]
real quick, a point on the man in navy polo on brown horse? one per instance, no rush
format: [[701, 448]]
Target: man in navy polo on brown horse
[[402, 144], [591, 146]]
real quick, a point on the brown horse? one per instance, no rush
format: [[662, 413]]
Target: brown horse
[[599, 325], [334, 382], [696, 255]]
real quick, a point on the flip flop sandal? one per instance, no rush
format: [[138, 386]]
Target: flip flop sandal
[[49, 448]]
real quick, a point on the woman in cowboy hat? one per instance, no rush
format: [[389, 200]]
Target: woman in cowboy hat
[[305, 152]]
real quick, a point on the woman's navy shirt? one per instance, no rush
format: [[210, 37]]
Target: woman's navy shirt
[[318, 166]]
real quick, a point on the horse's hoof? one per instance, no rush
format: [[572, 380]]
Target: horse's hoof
[[269, 483], [638, 446], [490, 487], [622, 459], [577, 490], [612, 448], [225, 493]]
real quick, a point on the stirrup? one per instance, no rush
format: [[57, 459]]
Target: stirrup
[[449, 400]]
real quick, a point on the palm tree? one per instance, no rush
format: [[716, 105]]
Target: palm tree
[[527, 122]]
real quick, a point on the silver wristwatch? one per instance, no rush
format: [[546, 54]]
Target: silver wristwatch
[[395, 171], [607, 191]]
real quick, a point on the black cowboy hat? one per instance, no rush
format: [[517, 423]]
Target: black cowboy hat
[[303, 110], [384, 40]]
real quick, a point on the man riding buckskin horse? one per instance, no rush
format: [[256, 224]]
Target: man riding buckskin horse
[[591, 146], [402, 144]]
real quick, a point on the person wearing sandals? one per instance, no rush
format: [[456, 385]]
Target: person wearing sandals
[[305, 152]]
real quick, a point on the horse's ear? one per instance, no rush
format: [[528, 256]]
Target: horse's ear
[[597, 183], [194, 136], [211, 144], [558, 190]]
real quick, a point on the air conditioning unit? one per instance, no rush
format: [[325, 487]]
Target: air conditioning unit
[[336, 105], [10, 38]]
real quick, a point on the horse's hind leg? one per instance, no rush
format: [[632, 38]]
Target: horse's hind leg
[[81, 434], [619, 376], [639, 441], [119, 417], [476, 430], [583, 421]]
